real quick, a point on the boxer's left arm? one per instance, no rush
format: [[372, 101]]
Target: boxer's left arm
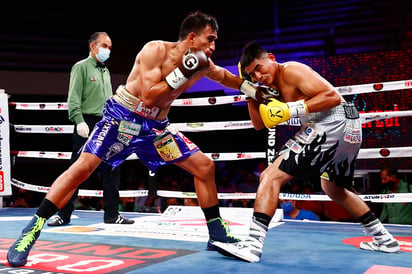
[[228, 79], [253, 109], [223, 76]]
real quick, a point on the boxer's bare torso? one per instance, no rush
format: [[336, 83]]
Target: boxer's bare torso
[[159, 58], [153, 63]]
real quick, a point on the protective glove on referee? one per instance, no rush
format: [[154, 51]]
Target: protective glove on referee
[[83, 129]]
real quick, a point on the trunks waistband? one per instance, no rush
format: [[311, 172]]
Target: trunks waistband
[[134, 104], [342, 111]]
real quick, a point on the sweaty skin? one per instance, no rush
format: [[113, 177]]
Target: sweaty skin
[[147, 82], [158, 58], [295, 81]]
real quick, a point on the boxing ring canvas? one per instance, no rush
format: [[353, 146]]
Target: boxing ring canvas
[[159, 243], [178, 244]]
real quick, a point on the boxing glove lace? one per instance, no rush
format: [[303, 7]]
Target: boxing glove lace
[[193, 61]]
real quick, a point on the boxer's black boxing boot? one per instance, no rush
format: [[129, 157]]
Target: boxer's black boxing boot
[[19, 251], [250, 249], [219, 231]]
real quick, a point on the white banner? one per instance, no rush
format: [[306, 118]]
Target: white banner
[[221, 100], [5, 186]]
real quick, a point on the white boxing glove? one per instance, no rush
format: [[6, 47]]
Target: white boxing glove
[[83, 129]]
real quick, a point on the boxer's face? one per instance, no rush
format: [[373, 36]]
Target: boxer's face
[[206, 41], [260, 70], [386, 178]]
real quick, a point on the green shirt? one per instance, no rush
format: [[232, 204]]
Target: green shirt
[[90, 86], [397, 213]]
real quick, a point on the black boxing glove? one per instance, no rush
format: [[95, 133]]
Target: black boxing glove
[[260, 93], [193, 61]]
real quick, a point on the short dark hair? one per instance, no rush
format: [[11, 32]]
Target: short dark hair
[[196, 22], [251, 51], [95, 36], [391, 170]]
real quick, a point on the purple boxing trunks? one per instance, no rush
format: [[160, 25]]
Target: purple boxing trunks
[[131, 128]]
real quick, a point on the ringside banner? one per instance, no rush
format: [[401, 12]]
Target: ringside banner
[[5, 185]]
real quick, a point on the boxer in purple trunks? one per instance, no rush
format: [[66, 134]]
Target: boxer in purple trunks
[[135, 121], [122, 132]]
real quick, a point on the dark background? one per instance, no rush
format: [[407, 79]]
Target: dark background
[[53, 37]]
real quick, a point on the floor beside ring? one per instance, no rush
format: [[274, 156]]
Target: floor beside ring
[[88, 246]]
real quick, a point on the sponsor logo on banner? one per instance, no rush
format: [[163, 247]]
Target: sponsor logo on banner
[[22, 129], [77, 257], [384, 152], [62, 106], [195, 125], [212, 100], [237, 98], [238, 124], [271, 145], [378, 86], [53, 129], [187, 101], [243, 156], [2, 187], [5, 184]]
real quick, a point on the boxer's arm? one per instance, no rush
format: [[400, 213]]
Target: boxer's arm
[[318, 93], [228, 79], [193, 61], [154, 90], [253, 108], [223, 77]]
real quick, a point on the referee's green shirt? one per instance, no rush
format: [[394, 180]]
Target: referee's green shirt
[[397, 213], [90, 86]]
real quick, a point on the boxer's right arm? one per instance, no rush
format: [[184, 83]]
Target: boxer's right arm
[[193, 61], [155, 90]]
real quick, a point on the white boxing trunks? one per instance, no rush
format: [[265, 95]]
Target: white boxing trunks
[[327, 145]]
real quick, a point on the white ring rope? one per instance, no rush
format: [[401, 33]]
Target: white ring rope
[[364, 153], [230, 125], [377, 198], [207, 126], [229, 156], [219, 100]]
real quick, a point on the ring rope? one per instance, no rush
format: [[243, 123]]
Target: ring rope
[[203, 126], [377, 198], [207, 126], [364, 153], [219, 100]]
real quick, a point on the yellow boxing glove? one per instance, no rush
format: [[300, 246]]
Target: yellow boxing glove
[[276, 112]]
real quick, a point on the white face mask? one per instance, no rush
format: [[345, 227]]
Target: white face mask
[[103, 54]]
